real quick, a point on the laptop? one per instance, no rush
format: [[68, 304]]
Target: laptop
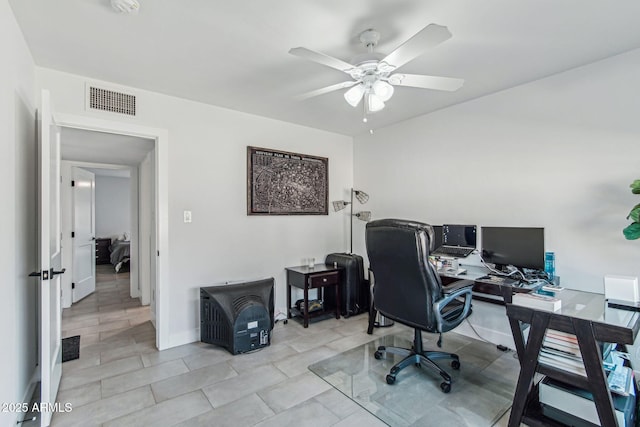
[[458, 241]]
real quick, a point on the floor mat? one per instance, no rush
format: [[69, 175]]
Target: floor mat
[[482, 390]]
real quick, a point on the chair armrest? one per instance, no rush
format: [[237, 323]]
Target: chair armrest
[[461, 288], [458, 284]]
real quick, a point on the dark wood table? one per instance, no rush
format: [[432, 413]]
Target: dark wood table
[[587, 316], [317, 277]]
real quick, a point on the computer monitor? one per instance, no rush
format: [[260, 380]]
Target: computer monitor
[[459, 235], [522, 247]]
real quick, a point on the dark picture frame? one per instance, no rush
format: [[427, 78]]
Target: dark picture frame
[[284, 183]]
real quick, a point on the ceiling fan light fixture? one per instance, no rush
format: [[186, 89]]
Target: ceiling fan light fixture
[[383, 90], [129, 7], [354, 95], [374, 103]]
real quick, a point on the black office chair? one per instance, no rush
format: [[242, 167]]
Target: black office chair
[[407, 289]]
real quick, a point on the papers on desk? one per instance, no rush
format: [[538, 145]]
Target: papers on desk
[[452, 271], [540, 302]]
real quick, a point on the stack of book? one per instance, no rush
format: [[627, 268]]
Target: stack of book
[[561, 350]]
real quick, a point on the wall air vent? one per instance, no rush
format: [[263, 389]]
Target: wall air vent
[[111, 101]]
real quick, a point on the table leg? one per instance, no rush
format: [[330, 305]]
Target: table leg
[[592, 360], [305, 314], [528, 364], [338, 300], [288, 298]]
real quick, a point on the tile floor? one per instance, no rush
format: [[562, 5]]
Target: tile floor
[[120, 378]]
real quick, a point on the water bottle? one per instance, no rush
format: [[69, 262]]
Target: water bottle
[[550, 264]]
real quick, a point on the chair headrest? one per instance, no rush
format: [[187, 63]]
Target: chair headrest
[[405, 224]]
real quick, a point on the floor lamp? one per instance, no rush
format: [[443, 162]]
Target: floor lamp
[[338, 205]]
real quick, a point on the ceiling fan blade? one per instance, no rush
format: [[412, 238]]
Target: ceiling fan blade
[[430, 36], [321, 58], [426, 82], [324, 90]]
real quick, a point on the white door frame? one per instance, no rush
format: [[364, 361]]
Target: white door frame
[[67, 167], [161, 138]]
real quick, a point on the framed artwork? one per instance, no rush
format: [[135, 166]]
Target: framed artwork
[[282, 183]]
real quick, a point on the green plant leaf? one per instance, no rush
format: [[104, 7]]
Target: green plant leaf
[[635, 213], [635, 186], [632, 231]]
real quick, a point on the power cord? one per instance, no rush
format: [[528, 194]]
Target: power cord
[[498, 346], [514, 271], [476, 332]]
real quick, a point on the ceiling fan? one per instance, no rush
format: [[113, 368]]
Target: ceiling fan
[[374, 74]]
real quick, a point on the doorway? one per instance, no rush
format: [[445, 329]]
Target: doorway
[[114, 211], [149, 173], [104, 198]]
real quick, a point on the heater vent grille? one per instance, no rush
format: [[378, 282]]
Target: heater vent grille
[[112, 101]]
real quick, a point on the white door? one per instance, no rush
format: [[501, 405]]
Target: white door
[[50, 258], [83, 232]]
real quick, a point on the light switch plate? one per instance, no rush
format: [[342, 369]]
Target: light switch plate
[[187, 217]]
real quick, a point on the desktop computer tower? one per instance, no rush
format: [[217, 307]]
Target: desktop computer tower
[[354, 293]]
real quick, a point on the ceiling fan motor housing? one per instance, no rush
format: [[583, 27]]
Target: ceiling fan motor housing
[[370, 38]]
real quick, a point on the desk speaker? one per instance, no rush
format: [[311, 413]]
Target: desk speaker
[[624, 288]]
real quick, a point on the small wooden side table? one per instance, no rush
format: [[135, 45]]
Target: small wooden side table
[[316, 277]]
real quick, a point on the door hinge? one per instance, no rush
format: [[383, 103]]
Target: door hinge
[[73, 234], [158, 253], [73, 285], [73, 183]]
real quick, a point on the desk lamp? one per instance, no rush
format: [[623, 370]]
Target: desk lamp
[[365, 216]]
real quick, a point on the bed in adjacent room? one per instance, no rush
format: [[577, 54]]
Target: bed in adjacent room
[[120, 253]]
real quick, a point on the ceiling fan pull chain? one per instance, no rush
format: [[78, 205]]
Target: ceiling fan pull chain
[[364, 112]]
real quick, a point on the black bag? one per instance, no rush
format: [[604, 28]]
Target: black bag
[[354, 293]]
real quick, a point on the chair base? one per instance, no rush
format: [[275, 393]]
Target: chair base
[[417, 356]]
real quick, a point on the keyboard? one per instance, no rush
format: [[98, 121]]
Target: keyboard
[[453, 251]]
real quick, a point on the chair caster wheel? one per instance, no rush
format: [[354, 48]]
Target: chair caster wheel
[[446, 387], [285, 321], [391, 379], [455, 364], [377, 355]]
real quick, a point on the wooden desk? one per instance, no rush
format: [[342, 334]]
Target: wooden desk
[[585, 315], [317, 277]]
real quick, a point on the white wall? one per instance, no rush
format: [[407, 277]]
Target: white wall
[[558, 153], [17, 215], [113, 206], [207, 175]]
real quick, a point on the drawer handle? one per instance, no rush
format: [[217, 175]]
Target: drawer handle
[[324, 280]]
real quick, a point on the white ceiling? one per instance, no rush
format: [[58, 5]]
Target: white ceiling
[[234, 53]]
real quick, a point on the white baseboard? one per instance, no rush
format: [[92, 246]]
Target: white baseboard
[[182, 338], [26, 398]]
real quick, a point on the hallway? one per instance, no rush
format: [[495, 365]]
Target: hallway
[[115, 331]]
